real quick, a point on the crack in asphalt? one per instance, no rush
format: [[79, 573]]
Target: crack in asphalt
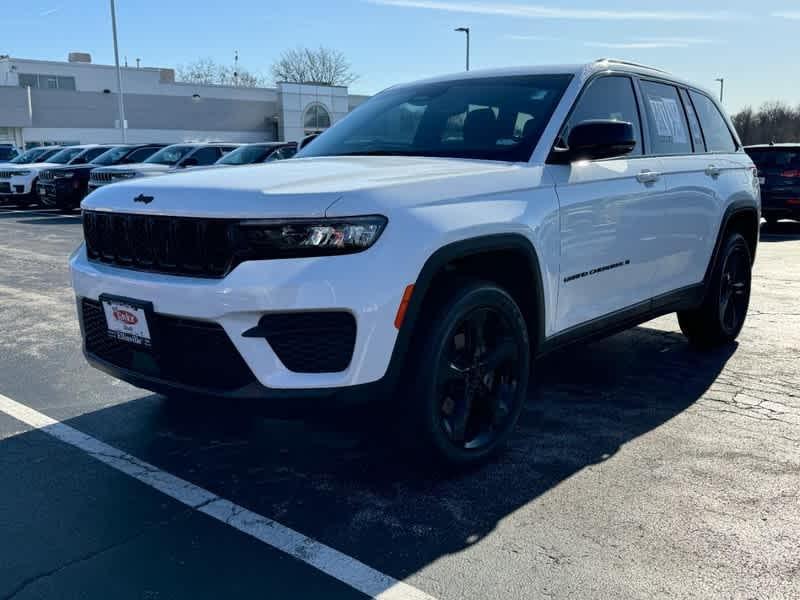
[[34, 579]]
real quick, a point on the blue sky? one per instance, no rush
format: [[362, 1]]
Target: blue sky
[[754, 46]]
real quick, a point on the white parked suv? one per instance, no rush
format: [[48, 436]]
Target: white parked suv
[[167, 160], [429, 247]]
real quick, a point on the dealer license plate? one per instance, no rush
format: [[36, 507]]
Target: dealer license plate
[[127, 322]]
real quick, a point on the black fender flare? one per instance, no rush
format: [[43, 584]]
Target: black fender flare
[[436, 263]]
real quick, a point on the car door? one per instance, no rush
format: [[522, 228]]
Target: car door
[[725, 165], [605, 209], [207, 155], [684, 227]]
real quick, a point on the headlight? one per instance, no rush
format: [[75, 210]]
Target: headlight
[[124, 175], [306, 237], [63, 175], [20, 173]]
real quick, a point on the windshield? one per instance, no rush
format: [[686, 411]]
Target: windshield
[[246, 155], [112, 157], [29, 156], [171, 155], [7, 152], [498, 118], [65, 155]]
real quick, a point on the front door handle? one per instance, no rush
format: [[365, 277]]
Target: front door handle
[[712, 171], [648, 177]]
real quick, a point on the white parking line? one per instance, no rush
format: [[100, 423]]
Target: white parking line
[[340, 566]]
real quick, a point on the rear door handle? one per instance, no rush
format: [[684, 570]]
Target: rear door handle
[[712, 171], [648, 177]]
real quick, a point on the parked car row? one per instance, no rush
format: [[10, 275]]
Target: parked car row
[[61, 177]]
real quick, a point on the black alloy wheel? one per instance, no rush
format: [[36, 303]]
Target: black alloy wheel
[[473, 374], [734, 292]]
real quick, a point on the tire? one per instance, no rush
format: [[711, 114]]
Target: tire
[[721, 316], [471, 375]]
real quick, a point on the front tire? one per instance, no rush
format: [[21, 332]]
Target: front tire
[[721, 316], [471, 375]]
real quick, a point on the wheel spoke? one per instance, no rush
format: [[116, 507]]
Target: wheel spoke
[[500, 402], [448, 371], [460, 417], [476, 333], [505, 349]]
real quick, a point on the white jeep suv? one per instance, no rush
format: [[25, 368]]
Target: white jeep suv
[[430, 246]]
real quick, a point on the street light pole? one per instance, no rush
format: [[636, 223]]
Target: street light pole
[[721, 88], [120, 100], [465, 30]]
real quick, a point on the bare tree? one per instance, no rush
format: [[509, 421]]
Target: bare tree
[[207, 72], [322, 66], [772, 122]]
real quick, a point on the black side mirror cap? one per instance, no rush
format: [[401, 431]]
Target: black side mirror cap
[[595, 140]]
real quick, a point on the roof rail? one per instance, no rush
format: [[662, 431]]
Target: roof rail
[[630, 64]]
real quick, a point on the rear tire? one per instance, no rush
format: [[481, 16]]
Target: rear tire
[[721, 316], [471, 376]]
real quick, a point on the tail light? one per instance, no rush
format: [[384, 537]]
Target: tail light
[[791, 173]]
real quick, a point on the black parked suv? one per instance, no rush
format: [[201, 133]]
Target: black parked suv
[[779, 174], [65, 187]]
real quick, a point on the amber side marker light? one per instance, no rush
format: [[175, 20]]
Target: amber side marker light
[[401, 310]]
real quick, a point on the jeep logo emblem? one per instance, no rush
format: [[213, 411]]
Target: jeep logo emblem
[[143, 198]]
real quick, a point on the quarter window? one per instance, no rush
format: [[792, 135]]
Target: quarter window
[[608, 98], [694, 124], [718, 136], [666, 119]]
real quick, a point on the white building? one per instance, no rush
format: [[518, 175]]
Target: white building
[[43, 102]]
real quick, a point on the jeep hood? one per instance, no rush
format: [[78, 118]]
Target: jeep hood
[[148, 168], [304, 187]]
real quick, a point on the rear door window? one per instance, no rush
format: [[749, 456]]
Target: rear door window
[[607, 98], [777, 160], [718, 137], [669, 130]]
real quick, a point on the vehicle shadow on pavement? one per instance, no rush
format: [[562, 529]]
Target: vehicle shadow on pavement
[[364, 497], [782, 231]]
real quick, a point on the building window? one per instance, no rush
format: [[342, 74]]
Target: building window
[[47, 82], [316, 119]]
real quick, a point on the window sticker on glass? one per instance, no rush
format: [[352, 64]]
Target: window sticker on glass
[[662, 121], [673, 110]]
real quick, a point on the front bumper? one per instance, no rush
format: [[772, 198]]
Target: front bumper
[[22, 186], [60, 192], [354, 284]]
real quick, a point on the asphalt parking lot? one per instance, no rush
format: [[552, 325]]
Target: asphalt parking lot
[[641, 469]]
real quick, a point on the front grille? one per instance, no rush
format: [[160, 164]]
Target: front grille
[[101, 177], [310, 342], [5, 174], [187, 352], [46, 175], [175, 245]]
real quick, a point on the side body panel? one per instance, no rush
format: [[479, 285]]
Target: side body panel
[[608, 250]]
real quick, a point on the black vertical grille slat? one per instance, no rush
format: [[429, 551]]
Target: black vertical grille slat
[[174, 245]]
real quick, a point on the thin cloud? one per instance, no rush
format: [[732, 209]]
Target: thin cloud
[[47, 13], [531, 38], [692, 41], [788, 14], [635, 45], [548, 12]]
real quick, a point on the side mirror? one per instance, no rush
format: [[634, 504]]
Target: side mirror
[[307, 140], [190, 162], [596, 139]]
